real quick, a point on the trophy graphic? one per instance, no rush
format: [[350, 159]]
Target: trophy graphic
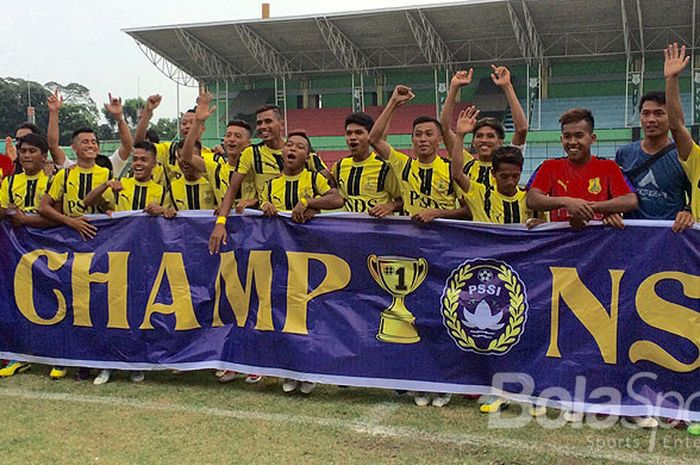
[[399, 276]]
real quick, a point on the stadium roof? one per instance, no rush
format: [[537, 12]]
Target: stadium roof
[[430, 36]]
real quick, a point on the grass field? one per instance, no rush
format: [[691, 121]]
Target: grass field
[[193, 419]]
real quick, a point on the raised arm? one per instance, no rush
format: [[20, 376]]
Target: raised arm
[[401, 95], [151, 104], [54, 103], [465, 125], [675, 61], [459, 80], [501, 77], [202, 112], [115, 108]]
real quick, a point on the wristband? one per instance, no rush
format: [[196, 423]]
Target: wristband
[[221, 220], [304, 202]]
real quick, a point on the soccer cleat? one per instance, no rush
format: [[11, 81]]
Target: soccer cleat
[[83, 374], [13, 367], [441, 400], [694, 429], [645, 422], [253, 379], [494, 404], [307, 387], [421, 399], [573, 417], [219, 373], [137, 376], [227, 376], [537, 410], [58, 373], [102, 377], [290, 385]]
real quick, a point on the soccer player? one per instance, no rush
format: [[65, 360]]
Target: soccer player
[[11, 150], [653, 168], [427, 189], [298, 191], [191, 191], [488, 133], [259, 162], [20, 195], [503, 203], [580, 187], [363, 178], [675, 61], [116, 162]]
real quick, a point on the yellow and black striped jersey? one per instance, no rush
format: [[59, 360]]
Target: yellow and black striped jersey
[[366, 183], [285, 191], [260, 163], [135, 195], [24, 192], [477, 170], [192, 195], [490, 206], [71, 185], [424, 186], [219, 175]]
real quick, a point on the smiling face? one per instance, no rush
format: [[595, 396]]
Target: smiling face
[[142, 164], [486, 140], [186, 122], [295, 152], [426, 139], [269, 125], [85, 146], [236, 139], [577, 138]]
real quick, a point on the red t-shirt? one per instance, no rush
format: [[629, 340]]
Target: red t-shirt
[[6, 166], [596, 181]]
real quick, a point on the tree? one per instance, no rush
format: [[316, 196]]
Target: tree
[[74, 116], [14, 98], [167, 129]]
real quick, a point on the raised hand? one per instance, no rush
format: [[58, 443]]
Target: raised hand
[[10, 149], [402, 94], [675, 60], [500, 75], [462, 78], [114, 107], [467, 120], [152, 102], [203, 110], [55, 101]]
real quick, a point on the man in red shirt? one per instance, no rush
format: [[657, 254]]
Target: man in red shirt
[[581, 187]]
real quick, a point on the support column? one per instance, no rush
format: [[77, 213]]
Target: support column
[[634, 89], [281, 98], [358, 92]]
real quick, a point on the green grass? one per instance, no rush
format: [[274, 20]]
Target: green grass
[[193, 419]]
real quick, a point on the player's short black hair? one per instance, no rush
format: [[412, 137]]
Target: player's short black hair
[[492, 123], [653, 96], [31, 126], [152, 136], [83, 131], [147, 146], [268, 107], [507, 154], [240, 123], [427, 119], [577, 114], [301, 133], [34, 140], [361, 119]]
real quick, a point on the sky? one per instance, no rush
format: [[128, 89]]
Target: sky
[[82, 40]]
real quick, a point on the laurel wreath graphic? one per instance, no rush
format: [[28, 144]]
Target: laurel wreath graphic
[[450, 304]]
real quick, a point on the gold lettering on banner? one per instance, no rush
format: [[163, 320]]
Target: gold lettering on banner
[[24, 286], [116, 280]]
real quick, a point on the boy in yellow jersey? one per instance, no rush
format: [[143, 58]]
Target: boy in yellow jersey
[[302, 193], [503, 203], [298, 191], [259, 162], [427, 188], [139, 192], [20, 194], [191, 191], [168, 169], [675, 61], [363, 178], [488, 133]]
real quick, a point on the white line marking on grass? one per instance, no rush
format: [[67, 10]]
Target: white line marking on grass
[[369, 427]]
